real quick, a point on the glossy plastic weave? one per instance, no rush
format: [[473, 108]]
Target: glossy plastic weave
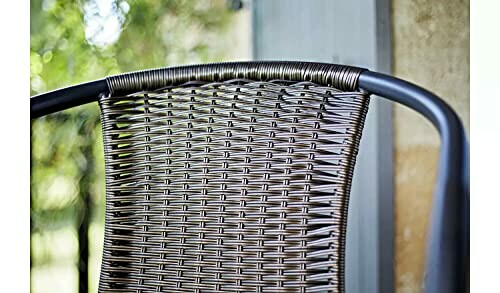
[[239, 185]]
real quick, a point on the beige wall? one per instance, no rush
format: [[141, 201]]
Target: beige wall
[[430, 48]]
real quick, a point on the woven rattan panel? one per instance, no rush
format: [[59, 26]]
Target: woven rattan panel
[[236, 186]]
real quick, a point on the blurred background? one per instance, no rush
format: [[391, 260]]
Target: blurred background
[[78, 41], [74, 41]]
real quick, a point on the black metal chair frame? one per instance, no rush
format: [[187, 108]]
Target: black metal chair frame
[[448, 240]]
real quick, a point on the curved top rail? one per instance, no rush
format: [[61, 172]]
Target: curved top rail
[[339, 76], [447, 257]]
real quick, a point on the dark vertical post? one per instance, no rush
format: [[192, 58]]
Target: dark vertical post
[[31, 195], [83, 245], [85, 199]]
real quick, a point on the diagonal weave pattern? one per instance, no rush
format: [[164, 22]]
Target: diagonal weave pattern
[[236, 186]]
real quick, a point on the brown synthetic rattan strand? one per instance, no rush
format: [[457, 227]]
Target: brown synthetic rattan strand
[[229, 186]]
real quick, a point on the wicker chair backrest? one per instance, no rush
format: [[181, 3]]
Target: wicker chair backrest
[[234, 185]]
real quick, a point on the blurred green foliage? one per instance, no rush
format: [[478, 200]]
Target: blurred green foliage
[[76, 41]]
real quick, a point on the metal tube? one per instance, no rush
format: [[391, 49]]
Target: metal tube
[[447, 254], [66, 98], [447, 257]]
